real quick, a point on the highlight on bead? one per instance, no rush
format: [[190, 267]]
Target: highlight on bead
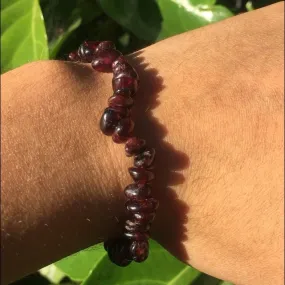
[[116, 122]]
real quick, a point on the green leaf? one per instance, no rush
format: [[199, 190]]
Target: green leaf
[[206, 279], [23, 35], [140, 17], [55, 45], [62, 20], [249, 6], [182, 15], [79, 265], [160, 268], [155, 20], [226, 283], [52, 273]]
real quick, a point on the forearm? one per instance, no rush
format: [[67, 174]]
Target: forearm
[[216, 122]]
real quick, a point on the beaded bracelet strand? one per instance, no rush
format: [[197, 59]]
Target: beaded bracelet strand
[[116, 122]]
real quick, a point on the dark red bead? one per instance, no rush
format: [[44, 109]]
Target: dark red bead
[[125, 92], [119, 251], [141, 175], [92, 44], [121, 66], [73, 56], [138, 191], [145, 158], [123, 111], [133, 226], [147, 205], [86, 51], [120, 101], [144, 217], [136, 235], [139, 250], [118, 139], [123, 130], [134, 146], [104, 59], [105, 45], [125, 82], [120, 60], [110, 120], [125, 69]]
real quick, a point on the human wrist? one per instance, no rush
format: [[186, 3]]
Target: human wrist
[[50, 123], [226, 147]]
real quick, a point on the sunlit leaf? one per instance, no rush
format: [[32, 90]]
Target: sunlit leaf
[[79, 265], [160, 268], [94, 266], [23, 35], [183, 15], [226, 283], [52, 273]]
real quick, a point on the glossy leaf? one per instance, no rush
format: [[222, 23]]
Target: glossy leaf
[[79, 265], [55, 45], [226, 283], [160, 268], [182, 15], [249, 6], [206, 279], [62, 20], [140, 17], [52, 273], [23, 35], [94, 266], [143, 18]]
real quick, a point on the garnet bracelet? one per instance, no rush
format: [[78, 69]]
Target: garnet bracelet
[[116, 122]]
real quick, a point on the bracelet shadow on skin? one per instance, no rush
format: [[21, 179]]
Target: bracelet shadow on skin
[[169, 224]]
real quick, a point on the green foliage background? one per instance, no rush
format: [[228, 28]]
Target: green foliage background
[[49, 29]]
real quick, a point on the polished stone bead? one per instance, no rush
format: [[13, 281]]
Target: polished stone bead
[[125, 69], [86, 51], [137, 191], [136, 235], [120, 60], [145, 158], [120, 101], [125, 92], [136, 206], [122, 111], [104, 59], [73, 56], [92, 45], [144, 217], [125, 82], [134, 146], [119, 251], [105, 45], [110, 120], [139, 250], [141, 175], [133, 226], [123, 130]]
